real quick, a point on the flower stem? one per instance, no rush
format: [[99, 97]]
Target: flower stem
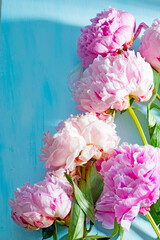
[[158, 97], [55, 235], [138, 125], [140, 130], [156, 229], [85, 228]]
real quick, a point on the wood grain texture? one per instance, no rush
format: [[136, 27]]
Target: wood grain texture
[[37, 51]]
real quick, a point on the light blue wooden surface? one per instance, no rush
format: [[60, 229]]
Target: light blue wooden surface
[[37, 51]]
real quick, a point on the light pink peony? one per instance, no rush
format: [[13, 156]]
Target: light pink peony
[[109, 82], [110, 32], [150, 42], [131, 184], [78, 140], [39, 205]]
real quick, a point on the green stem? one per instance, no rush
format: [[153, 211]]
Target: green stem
[[85, 228], [138, 125], [83, 188], [90, 228], [140, 130], [158, 97], [55, 236], [155, 227]]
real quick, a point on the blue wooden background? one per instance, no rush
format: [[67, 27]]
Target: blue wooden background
[[37, 51]]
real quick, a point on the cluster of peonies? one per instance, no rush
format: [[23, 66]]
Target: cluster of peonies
[[79, 139], [111, 79]]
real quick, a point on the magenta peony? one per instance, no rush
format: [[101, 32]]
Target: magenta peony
[[39, 205], [150, 42], [110, 32], [78, 140], [131, 184], [109, 82]]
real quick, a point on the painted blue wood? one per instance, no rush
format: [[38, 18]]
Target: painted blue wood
[[37, 51]]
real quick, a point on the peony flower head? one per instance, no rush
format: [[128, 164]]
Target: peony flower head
[[150, 42], [39, 205], [110, 32], [131, 184], [109, 82], [78, 139]]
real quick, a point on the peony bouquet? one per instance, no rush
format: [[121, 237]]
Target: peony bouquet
[[88, 176]]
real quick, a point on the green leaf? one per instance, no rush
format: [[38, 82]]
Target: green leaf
[[47, 232], [156, 79], [155, 212], [76, 227], [94, 183], [115, 229], [121, 232], [155, 138], [153, 126], [83, 202], [151, 123], [154, 131], [151, 105], [154, 105], [82, 185]]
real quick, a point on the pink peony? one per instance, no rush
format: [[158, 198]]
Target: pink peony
[[109, 82], [78, 140], [150, 42], [110, 32], [131, 184], [37, 206]]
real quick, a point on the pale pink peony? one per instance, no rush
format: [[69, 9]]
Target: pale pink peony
[[131, 184], [109, 82], [39, 205], [150, 42], [78, 139], [110, 32]]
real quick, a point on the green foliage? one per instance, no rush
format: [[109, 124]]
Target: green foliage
[[153, 126], [83, 202], [151, 119], [155, 137], [154, 131], [115, 229], [121, 232], [155, 212], [94, 183], [85, 196], [76, 227]]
